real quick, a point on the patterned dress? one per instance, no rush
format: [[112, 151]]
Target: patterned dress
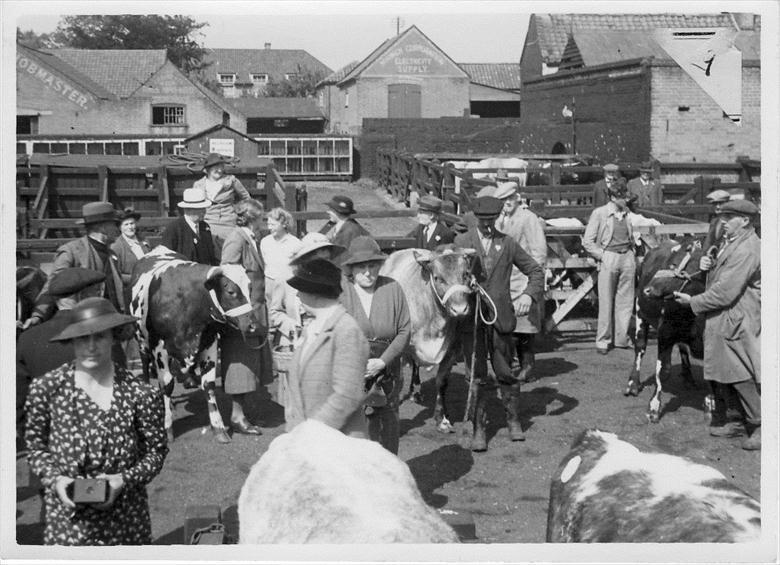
[[68, 434]]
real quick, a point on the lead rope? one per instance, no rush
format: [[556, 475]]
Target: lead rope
[[478, 315]]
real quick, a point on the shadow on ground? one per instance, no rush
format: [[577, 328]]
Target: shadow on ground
[[437, 468]]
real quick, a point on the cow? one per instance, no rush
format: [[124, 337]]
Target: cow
[[317, 485], [181, 306], [437, 289], [670, 267], [29, 283], [606, 490]]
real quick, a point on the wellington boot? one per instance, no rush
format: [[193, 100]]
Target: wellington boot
[[479, 437], [510, 397]]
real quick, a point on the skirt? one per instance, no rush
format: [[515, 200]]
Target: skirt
[[240, 365]]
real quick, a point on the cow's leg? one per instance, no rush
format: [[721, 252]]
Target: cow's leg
[[685, 365], [165, 379], [641, 327], [711, 403], [206, 369], [662, 369], [414, 383]]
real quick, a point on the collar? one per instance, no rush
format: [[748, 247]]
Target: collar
[[97, 238], [249, 233], [340, 223], [193, 225], [612, 210]]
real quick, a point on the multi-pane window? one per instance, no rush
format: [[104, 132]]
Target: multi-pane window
[[168, 115], [290, 76], [226, 78], [259, 78]]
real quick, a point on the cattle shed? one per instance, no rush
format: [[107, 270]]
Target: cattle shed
[[224, 140]]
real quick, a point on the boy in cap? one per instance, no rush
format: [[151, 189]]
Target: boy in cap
[[716, 198], [430, 233], [609, 238], [496, 255], [602, 187], [341, 227], [188, 234], [731, 305], [645, 188]]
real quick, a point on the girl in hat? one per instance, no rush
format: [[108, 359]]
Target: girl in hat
[[91, 419], [379, 306]]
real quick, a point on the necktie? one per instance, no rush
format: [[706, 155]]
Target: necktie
[[428, 233]]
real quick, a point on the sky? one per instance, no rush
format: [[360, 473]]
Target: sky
[[336, 33]]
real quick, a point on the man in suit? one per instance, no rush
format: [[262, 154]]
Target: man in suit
[[430, 233], [496, 254], [341, 227], [602, 187], [647, 190], [189, 235]]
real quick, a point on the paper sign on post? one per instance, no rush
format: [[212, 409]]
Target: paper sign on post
[[226, 147]]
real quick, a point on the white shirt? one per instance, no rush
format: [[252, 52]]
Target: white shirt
[[366, 298], [193, 225], [429, 229], [277, 254]]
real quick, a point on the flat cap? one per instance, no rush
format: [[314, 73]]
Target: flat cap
[[70, 281], [505, 190], [717, 196], [430, 203], [487, 207], [739, 207], [611, 168], [488, 190]]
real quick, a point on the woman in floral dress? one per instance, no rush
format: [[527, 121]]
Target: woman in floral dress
[[92, 419]]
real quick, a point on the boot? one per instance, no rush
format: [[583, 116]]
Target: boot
[[479, 437], [527, 359], [729, 429], [510, 396], [753, 441]]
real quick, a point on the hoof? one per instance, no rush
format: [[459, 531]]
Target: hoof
[[478, 446], [445, 427], [631, 390], [653, 417], [169, 433], [221, 435]]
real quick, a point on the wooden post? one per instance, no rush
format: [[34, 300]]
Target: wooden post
[[103, 182], [163, 194], [301, 204], [555, 171]]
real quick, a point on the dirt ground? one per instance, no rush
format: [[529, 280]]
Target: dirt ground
[[505, 489]]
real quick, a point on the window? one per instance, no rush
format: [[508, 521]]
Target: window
[[290, 76], [281, 123], [226, 79], [26, 124], [259, 78], [168, 115]]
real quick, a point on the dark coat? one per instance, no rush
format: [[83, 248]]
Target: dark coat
[[649, 195], [600, 195], [494, 271], [126, 257], [349, 231], [179, 237], [441, 236]]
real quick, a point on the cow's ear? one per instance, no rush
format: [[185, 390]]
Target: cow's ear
[[212, 277], [422, 256]]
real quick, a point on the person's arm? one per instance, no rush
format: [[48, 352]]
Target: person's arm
[[170, 237], [537, 242], [241, 192], [403, 327], [590, 236], [45, 305], [149, 425], [530, 268], [37, 432], [732, 281]]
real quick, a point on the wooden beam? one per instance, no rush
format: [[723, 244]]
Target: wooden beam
[[574, 299], [103, 183]]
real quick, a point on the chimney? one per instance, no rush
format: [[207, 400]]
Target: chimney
[[267, 45]]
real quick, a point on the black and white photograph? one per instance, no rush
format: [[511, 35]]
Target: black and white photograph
[[390, 281]]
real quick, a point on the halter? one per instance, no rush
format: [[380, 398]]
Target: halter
[[450, 291], [679, 273]]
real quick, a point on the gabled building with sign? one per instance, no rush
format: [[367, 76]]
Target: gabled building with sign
[[407, 76], [629, 87]]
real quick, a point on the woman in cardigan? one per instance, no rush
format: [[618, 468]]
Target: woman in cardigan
[[224, 191], [379, 306], [325, 381]]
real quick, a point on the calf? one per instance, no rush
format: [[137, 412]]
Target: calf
[[317, 485], [606, 490]]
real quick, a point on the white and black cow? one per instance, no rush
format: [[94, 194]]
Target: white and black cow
[[181, 306], [670, 267], [437, 289], [606, 490]]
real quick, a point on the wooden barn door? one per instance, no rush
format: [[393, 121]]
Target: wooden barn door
[[403, 101]]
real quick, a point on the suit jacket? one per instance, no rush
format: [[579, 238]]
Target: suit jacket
[[223, 195], [649, 195], [179, 237], [240, 248], [326, 377], [731, 305], [494, 271], [441, 236], [598, 232], [600, 195], [349, 231]]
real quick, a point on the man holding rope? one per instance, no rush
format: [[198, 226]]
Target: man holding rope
[[494, 321]]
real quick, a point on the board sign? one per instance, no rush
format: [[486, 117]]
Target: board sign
[[226, 147]]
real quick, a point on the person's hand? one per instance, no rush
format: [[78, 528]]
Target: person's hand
[[287, 327], [373, 368], [115, 485], [705, 263], [524, 304], [61, 484], [682, 298], [31, 321]]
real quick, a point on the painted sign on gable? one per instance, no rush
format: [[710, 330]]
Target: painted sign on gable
[[413, 55], [52, 82]]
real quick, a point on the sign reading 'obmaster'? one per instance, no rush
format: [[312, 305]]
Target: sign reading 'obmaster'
[[61, 87], [413, 55]]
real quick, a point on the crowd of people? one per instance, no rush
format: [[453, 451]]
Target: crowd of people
[[85, 417]]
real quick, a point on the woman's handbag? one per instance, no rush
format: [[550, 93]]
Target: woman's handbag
[[378, 386]]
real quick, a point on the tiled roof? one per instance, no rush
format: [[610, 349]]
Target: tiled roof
[[273, 62], [505, 76], [120, 71], [553, 29], [67, 71], [338, 76], [266, 107]]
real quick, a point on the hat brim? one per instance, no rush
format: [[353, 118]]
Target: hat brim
[[301, 254], [194, 205], [335, 209], [86, 222], [93, 326], [134, 216], [310, 287], [363, 258]]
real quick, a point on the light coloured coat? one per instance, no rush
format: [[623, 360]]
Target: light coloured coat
[[598, 232], [223, 194]]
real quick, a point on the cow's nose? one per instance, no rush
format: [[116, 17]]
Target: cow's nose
[[252, 328], [647, 291]]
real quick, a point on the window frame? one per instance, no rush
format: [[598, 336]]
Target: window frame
[[170, 106], [232, 81], [255, 81]]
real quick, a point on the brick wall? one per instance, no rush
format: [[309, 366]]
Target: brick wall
[[702, 133]]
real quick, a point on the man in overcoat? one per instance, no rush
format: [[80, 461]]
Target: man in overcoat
[[602, 187], [731, 305], [188, 234], [646, 189], [430, 232], [496, 254], [341, 228]]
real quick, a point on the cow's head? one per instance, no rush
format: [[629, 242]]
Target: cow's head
[[232, 295], [680, 272], [448, 269]]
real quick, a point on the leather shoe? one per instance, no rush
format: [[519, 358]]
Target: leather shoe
[[730, 429], [246, 428], [753, 443]]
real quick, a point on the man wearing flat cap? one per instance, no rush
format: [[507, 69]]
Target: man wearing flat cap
[[496, 254], [716, 198], [430, 233], [602, 187], [92, 251], [645, 188], [341, 228], [731, 304]]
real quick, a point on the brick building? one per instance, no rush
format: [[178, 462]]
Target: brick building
[[629, 99]]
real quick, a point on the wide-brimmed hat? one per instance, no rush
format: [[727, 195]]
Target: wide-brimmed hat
[[342, 205], [429, 203], [319, 277], [363, 248], [194, 198], [487, 207], [505, 190], [718, 196], [488, 190], [72, 280], [646, 167], [90, 316], [214, 159], [611, 168], [311, 242], [97, 212], [739, 207], [128, 213]]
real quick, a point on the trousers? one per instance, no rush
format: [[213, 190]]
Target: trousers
[[616, 299]]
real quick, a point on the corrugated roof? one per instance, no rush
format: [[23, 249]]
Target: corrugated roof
[[67, 71], [120, 71], [265, 107], [338, 76], [505, 76], [553, 29], [273, 62]]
